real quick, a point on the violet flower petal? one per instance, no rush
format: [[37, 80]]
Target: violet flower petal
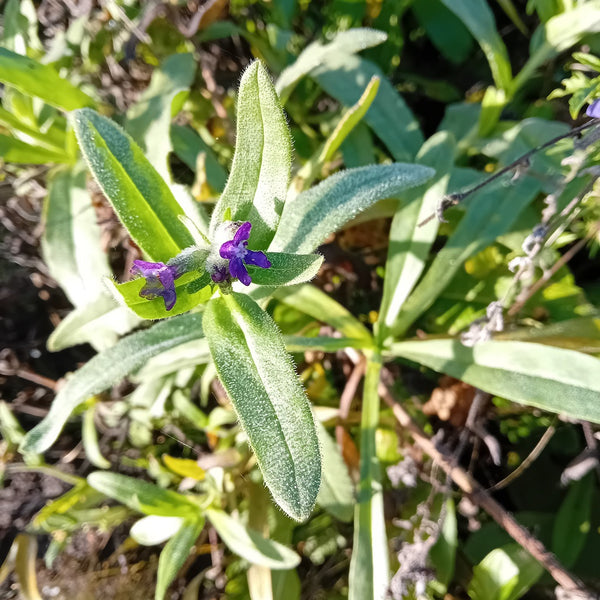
[[593, 110], [257, 258], [160, 281], [238, 270], [228, 250], [243, 233]]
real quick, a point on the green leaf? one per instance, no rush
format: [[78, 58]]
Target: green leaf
[[553, 379], [142, 496], [53, 137], [504, 574], [309, 218], [573, 521], [152, 530], [99, 323], [129, 294], [188, 145], [492, 105], [89, 437], [344, 43], [445, 29], [257, 185], [443, 552], [336, 495], [250, 544], [344, 78], [42, 81], [322, 307], [557, 35], [324, 343], [15, 151], [140, 197], [369, 567], [261, 382], [409, 242], [351, 118], [287, 269], [175, 553], [71, 242], [149, 119], [108, 368], [479, 20], [488, 216]]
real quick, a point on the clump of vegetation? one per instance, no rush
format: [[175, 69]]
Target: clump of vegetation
[[322, 285]]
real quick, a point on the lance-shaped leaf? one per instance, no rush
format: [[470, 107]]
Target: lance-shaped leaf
[[344, 78], [554, 379], [286, 269], [175, 553], [139, 195], [16, 151], [250, 544], [261, 382], [143, 496], [108, 368], [479, 20], [149, 120], [313, 215], [344, 43], [71, 242], [99, 323], [257, 185], [42, 81], [409, 242]]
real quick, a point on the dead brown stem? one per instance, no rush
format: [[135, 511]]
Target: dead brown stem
[[478, 495]]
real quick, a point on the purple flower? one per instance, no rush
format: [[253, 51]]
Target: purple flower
[[238, 255], [160, 280], [593, 110]]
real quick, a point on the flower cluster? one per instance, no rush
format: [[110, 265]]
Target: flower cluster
[[226, 261], [237, 253], [160, 280]]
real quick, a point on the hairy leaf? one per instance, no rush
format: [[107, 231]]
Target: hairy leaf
[[261, 382], [257, 185], [313, 215], [108, 368], [139, 195]]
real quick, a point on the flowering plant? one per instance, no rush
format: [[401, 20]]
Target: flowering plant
[[218, 274]]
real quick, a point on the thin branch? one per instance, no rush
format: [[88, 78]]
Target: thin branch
[[527, 293], [478, 495], [457, 197]]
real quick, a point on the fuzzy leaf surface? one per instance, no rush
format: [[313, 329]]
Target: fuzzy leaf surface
[[260, 380], [313, 215], [287, 269], [260, 172], [108, 368], [139, 195]]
